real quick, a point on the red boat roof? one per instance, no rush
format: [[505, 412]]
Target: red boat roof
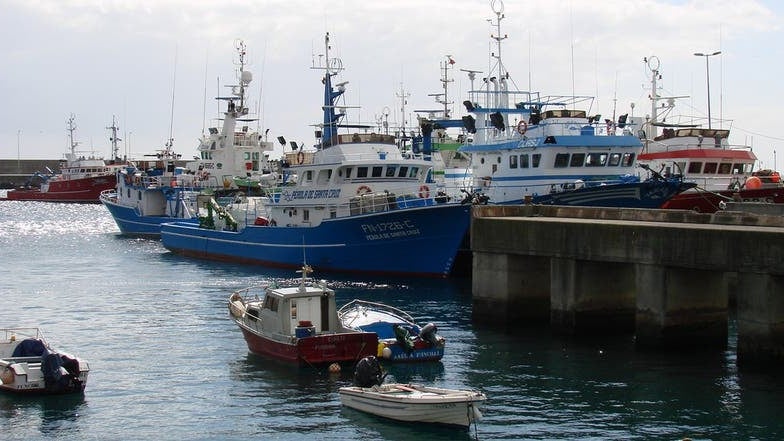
[[706, 153]]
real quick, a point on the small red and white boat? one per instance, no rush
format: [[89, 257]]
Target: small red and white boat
[[723, 172], [298, 324], [81, 178]]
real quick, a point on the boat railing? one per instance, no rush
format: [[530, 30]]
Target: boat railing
[[13, 334], [363, 304], [706, 143]]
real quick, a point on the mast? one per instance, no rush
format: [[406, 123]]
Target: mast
[[71, 127], [330, 121], [114, 139], [652, 63]]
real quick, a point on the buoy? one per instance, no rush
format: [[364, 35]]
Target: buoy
[[386, 353], [753, 183], [334, 368]]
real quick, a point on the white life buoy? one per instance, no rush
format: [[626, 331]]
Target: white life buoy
[[364, 189], [300, 158], [424, 192]]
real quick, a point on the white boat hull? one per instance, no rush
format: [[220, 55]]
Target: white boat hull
[[413, 403]]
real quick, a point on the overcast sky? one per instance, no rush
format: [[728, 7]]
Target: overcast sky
[[123, 58]]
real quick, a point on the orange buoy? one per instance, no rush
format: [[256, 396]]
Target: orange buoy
[[753, 183]]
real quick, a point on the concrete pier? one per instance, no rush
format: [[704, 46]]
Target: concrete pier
[[665, 275]]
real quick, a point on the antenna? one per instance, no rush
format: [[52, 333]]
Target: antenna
[[170, 143]]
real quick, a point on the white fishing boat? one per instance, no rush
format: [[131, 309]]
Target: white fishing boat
[[410, 402], [28, 365]]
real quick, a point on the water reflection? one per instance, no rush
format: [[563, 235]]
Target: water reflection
[[56, 414]]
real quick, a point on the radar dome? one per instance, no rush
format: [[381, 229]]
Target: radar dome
[[247, 77]]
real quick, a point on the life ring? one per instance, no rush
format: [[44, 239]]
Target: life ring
[[174, 182], [522, 126], [300, 158], [424, 192], [364, 189], [128, 179]]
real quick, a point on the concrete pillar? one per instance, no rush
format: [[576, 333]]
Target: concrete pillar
[[680, 308], [510, 289], [591, 297], [761, 320]]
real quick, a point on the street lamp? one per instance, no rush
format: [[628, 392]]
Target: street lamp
[[707, 77], [18, 150]]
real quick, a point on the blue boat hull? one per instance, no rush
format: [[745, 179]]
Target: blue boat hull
[[646, 194], [414, 241], [132, 224]]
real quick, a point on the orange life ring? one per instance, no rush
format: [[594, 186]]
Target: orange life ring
[[174, 182], [300, 158], [424, 192], [522, 126], [364, 189]]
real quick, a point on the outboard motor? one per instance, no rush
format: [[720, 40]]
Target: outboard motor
[[428, 334], [368, 372]]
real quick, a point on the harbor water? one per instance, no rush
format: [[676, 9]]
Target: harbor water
[[168, 364]]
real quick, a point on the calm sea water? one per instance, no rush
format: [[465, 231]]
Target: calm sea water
[[168, 364]]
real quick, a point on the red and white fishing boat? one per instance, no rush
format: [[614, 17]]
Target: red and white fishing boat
[[723, 172], [298, 324], [81, 178]]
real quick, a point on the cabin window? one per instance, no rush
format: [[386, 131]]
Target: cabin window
[[535, 159], [513, 161], [271, 303], [615, 159], [523, 161], [402, 172], [498, 159], [628, 160], [362, 172], [710, 168], [140, 195], [293, 309], [129, 192], [391, 171], [482, 160], [333, 212], [596, 160], [348, 172], [377, 171], [725, 168], [695, 167], [414, 172], [309, 176], [561, 160], [305, 215], [495, 168], [578, 159]]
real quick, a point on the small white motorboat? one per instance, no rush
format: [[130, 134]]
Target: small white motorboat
[[28, 365], [411, 402]]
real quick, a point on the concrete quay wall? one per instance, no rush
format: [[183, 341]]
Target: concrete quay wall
[[665, 275]]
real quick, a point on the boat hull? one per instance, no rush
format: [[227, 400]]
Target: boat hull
[[708, 202], [646, 194], [416, 404], [312, 351], [415, 241], [131, 223], [85, 190]]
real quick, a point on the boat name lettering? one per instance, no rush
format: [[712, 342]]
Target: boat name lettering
[[390, 230], [311, 194]]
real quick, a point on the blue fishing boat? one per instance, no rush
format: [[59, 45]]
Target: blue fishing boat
[[400, 338], [358, 205], [528, 147], [163, 188]]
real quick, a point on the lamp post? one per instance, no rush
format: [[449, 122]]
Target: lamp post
[[18, 151], [707, 77]]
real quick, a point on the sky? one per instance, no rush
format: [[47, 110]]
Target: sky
[[155, 66]]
